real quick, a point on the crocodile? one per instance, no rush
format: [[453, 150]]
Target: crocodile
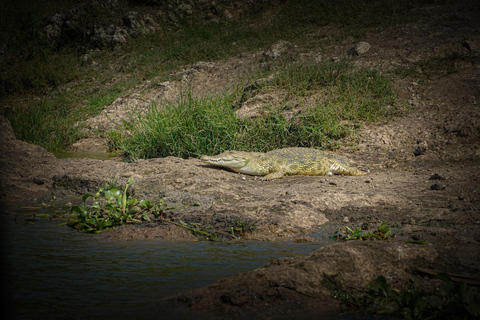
[[288, 161]]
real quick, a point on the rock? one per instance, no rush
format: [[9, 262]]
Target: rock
[[279, 49], [53, 28], [38, 181], [437, 186], [436, 176], [97, 36], [136, 25], [186, 9], [359, 48], [420, 148], [120, 35]]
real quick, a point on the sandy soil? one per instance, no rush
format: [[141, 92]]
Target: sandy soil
[[424, 179]]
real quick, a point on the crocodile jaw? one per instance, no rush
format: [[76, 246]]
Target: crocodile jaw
[[227, 160]]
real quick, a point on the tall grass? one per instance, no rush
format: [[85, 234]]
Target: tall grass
[[51, 123], [196, 126], [348, 99], [188, 128]]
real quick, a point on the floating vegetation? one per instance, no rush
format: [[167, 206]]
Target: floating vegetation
[[240, 226], [382, 233], [110, 208]]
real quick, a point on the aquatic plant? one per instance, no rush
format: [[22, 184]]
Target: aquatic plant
[[382, 233], [110, 208], [241, 225]]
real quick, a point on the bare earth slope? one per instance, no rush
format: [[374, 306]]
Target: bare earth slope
[[424, 181]]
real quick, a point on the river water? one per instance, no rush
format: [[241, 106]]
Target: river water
[[53, 272]]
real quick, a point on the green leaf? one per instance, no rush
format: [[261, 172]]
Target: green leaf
[[86, 196], [108, 195], [380, 286], [145, 204], [132, 201], [117, 215], [384, 228], [80, 210], [146, 217], [91, 221], [113, 206], [115, 191], [112, 193], [134, 210], [358, 233]]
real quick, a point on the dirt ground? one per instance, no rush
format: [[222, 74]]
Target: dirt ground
[[423, 181]]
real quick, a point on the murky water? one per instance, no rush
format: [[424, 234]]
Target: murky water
[[54, 272]]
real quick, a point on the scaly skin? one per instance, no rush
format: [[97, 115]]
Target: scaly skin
[[289, 161]]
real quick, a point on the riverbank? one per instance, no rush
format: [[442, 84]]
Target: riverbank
[[423, 180]]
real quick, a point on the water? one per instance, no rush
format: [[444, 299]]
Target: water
[[54, 272]]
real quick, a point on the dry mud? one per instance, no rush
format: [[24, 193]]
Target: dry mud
[[424, 181]]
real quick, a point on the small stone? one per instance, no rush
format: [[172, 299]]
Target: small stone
[[437, 186], [436, 176], [38, 181], [279, 49], [420, 148], [346, 220], [359, 48]]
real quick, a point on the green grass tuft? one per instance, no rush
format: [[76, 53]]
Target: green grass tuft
[[187, 129]]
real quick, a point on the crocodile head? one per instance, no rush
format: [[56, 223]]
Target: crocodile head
[[237, 161]]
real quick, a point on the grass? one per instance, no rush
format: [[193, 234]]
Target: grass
[[40, 69], [189, 128], [196, 126]]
